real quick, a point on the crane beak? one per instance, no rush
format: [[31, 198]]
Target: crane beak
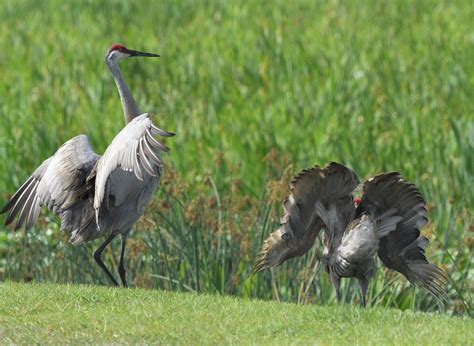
[[137, 53]]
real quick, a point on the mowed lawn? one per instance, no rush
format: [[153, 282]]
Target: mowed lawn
[[35, 313]]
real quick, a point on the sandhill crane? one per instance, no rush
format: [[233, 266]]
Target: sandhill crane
[[98, 196], [386, 221]]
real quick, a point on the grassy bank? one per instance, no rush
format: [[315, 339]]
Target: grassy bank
[[59, 314]]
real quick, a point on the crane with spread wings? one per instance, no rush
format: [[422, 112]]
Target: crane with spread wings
[[386, 221], [98, 196]]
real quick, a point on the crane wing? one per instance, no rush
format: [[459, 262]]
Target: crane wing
[[300, 224], [57, 183], [135, 153], [403, 249]]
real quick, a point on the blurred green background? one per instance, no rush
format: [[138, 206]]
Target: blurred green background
[[256, 91]]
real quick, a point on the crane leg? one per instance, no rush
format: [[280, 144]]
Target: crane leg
[[336, 282], [364, 285], [98, 259], [121, 267]]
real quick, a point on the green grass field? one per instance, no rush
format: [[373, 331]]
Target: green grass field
[[34, 313], [256, 91]]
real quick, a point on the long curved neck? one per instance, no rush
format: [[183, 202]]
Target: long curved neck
[[130, 108]]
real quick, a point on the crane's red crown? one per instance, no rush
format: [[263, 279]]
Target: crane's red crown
[[118, 47]]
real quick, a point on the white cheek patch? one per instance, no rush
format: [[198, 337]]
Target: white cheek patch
[[117, 55]]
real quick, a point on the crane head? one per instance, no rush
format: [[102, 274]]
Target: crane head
[[117, 52]]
